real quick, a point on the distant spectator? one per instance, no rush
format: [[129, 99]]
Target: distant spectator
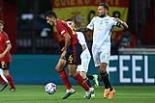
[[128, 40]]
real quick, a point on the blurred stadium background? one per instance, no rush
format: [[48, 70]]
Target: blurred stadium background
[[35, 50]]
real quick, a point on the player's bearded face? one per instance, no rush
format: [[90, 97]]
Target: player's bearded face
[[101, 11]]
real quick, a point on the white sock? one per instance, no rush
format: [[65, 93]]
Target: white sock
[[2, 75]]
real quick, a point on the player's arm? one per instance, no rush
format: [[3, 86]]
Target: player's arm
[[67, 43], [8, 48], [121, 24], [81, 39], [67, 40], [90, 26]]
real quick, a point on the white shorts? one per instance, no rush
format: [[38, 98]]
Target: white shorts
[[85, 60], [100, 57]]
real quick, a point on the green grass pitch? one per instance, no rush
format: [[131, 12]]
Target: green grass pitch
[[36, 94]]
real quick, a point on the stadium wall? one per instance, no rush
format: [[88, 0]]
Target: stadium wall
[[123, 69]]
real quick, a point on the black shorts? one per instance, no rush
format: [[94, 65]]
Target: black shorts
[[73, 54], [4, 65]]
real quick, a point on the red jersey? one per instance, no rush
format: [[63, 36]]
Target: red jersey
[[4, 39], [63, 28]]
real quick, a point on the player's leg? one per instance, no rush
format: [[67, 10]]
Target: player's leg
[[10, 80], [109, 90], [95, 78], [83, 68], [96, 59], [2, 77], [5, 67], [80, 80], [60, 69], [4, 81]]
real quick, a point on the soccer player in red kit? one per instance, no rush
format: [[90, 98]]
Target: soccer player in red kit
[[5, 57], [71, 53]]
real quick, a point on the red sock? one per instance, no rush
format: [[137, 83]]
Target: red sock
[[81, 81], [1, 80], [11, 82], [65, 79]]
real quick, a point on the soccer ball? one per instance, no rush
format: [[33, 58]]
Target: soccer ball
[[50, 88]]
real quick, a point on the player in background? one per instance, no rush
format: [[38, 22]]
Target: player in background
[[85, 55], [5, 58], [71, 53], [102, 26]]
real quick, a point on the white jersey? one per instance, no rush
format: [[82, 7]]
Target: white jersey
[[102, 28]]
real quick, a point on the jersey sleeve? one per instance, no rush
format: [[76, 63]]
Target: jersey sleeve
[[91, 24], [62, 28], [6, 38]]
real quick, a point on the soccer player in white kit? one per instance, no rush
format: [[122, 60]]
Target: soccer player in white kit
[[102, 26], [85, 60]]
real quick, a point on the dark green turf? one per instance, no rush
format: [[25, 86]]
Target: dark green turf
[[36, 94]]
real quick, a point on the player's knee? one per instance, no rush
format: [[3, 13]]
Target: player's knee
[[83, 74], [103, 67], [103, 70], [6, 72], [72, 70], [72, 73], [58, 69]]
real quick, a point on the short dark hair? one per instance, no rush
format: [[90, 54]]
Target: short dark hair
[[69, 19], [50, 14], [105, 5], [2, 22]]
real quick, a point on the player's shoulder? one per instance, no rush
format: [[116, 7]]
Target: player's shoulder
[[60, 21], [4, 33], [110, 17], [95, 18]]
